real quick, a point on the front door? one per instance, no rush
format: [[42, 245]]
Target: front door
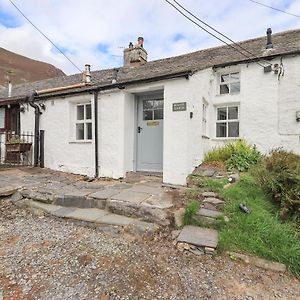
[[150, 133]]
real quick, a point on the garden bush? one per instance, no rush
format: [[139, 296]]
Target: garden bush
[[279, 176], [238, 155]]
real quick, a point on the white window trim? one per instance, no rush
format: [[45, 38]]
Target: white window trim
[[83, 121], [229, 82], [227, 121]]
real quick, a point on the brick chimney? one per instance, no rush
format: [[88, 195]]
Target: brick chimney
[[135, 55]]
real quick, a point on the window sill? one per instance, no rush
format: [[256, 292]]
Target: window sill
[[226, 138], [229, 94], [81, 142]]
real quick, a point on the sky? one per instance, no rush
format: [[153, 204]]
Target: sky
[[97, 31]]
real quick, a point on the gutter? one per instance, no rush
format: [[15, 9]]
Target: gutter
[[37, 114], [119, 85], [244, 61]]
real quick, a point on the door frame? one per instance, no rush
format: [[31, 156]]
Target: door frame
[[136, 121]]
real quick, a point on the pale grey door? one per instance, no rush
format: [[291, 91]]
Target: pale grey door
[[150, 133]]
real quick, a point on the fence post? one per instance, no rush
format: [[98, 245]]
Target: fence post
[[42, 139]]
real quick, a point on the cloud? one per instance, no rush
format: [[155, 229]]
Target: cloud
[[96, 31]]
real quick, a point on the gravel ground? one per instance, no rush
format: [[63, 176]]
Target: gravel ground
[[48, 258]]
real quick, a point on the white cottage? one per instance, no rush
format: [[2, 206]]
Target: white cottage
[[162, 116]]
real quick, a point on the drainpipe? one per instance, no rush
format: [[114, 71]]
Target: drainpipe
[[96, 133], [37, 114]]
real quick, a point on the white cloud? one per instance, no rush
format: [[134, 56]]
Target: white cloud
[[81, 25]]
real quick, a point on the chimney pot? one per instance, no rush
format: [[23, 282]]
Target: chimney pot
[[269, 39], [87, 74], [140, 41]]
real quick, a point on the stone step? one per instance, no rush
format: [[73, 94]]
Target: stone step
[[209, 195], [219, 204], [198, 236], [207, 216], [94, 215], [122, 199]]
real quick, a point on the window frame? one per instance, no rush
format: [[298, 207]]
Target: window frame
[[152, 109], [229, 82], [227, 121], [84, 121]]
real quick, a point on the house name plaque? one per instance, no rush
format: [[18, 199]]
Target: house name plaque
[[180, 106]]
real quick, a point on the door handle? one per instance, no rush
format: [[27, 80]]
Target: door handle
[[140, 129]]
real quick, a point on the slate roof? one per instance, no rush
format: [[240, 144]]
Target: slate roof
[[284, 43]]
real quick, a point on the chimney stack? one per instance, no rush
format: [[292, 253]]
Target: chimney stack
[[269, 39], [87, 74], [135, 55]]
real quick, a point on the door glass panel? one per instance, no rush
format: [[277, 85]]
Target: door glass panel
[[158, 114], [80, 112], [88, 111], [158, 104], [221, 130], [148, 115], [232, 113], [222, 113], [233, 129], [147, 104], [80, 131]]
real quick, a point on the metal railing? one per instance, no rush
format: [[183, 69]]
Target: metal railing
[[16, 149]]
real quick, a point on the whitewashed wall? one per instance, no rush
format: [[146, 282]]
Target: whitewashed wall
[[62, 152]]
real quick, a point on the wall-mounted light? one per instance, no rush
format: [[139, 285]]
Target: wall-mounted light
[[298, 116], [42, 106], [22, 108]]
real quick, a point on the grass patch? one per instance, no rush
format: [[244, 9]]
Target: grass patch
[[190, 211], [261, 232]]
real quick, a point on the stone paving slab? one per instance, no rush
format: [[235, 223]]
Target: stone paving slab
[[113, 219], [198, 236], [214, 201], [161, 201], [143, 188], [209, 194], [87, 214], [105, 194], [131, 196], [8, 191], [208, 213], [48, 208], [63, 211]]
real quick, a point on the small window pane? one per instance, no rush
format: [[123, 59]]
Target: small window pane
[[88, 111], [147, 104], [158, 114], [158, 104], [235, 87], [225, 78], [234, 77], [80, 131], [233, 129], [221, 130], [89, 131], [233, 113], [80, 112], [224, 89], [222, 113], [147, 115]]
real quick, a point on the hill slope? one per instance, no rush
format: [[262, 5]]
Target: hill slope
[[23, 69]]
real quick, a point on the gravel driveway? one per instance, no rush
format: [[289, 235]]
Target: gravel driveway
[[47, 258]]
